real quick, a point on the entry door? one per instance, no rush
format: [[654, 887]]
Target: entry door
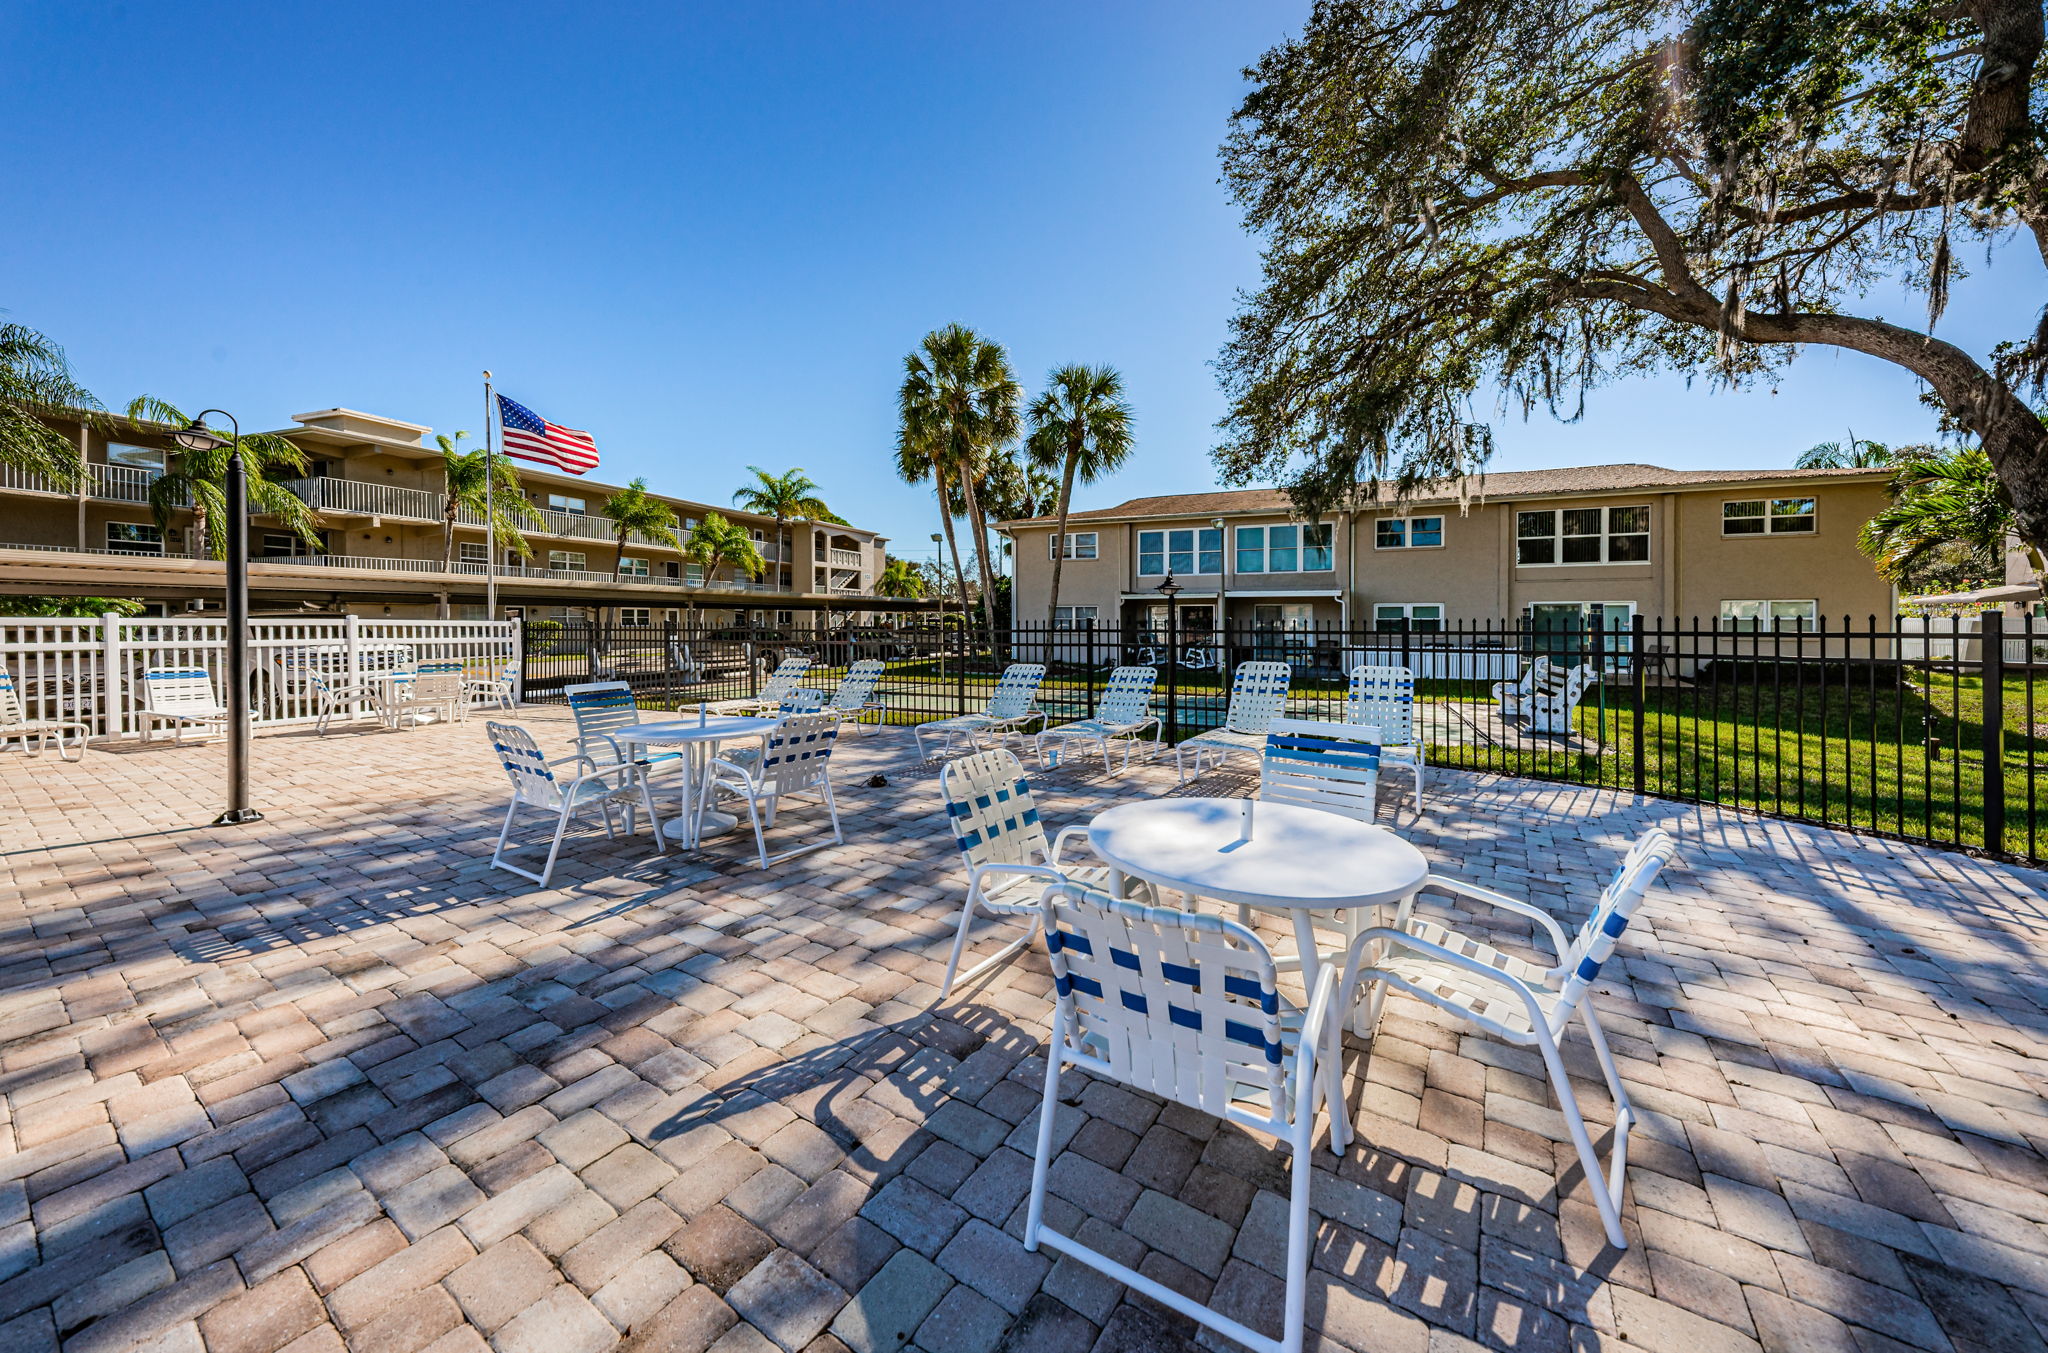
[[1559, 629]]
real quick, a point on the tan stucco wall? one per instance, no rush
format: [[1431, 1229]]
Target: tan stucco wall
[[1825, 566]]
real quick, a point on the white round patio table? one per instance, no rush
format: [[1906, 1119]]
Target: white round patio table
[[1277, 857], [694, 739]]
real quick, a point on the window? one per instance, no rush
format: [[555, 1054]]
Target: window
[[1768, 517], [468, 612], [134, 538], [141, 457], [1073, 617], [561, 502], [1396, 533], [1079, 544], [282, 545], [1583, 535], [693, 574], [785, 618], [1769, 615], [1419, 617], [635, 615], [630, 567], [567, 561], [1189, 550], [1284, 549], [474, 552]]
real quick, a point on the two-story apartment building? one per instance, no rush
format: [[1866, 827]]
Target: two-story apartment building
[[1555, 548], [375, 486]]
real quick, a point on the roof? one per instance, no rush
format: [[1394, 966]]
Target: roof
[[1499, 484], [2011, 592]]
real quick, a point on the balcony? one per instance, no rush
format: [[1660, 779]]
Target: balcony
[[103, 483], [362, 498], [844, 558]]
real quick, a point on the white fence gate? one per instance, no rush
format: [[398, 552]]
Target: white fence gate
[[91, 670]]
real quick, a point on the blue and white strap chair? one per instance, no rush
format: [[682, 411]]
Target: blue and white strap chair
[[1185, 1006], [499, 686], [1125, 712], [1009, 861], [786, 677], [182, 697], [537, 789], [335, 696], [601, 709], [1334, 767], [795, 759], [1384, 697], [1013, 705], [1524, 1003], [855, 696], [1258, 692], [15, 723], [435, 688]]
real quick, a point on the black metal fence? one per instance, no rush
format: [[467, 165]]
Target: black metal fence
[[1933, 731]]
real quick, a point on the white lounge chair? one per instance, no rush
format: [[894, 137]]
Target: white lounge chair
[[15, 723], [182, 697], [794, 760], [856, 694], [784, 679], [1258, 692], [995, 823], [500, 688], [1125, 712], [1524, 1003], [1384, 698], [1013, 705], [536, 788], [1185, 1006]]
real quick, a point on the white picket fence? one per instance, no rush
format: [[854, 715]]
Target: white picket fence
[[91, 670]]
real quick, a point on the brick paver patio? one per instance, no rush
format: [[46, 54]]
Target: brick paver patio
[[329, 1082]]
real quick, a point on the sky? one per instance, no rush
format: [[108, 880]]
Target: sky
[[708, 234]]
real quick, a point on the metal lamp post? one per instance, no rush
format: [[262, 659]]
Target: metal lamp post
[[1171, 589], [199, 437]]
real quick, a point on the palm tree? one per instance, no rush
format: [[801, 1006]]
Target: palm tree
[[1081, 428], [634, 509], [1941, 500], [1857, 453], [35, 385], [787, 497], [468, 484], [901, 578], [196, 481], [957, 407], [1013, 489], [717, 541]]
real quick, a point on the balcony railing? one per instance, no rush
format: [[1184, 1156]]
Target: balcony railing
[[363, 498], [104, 483], [845, 558]]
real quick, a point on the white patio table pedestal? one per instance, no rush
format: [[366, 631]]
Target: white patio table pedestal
[[695, 740], [1274, 857]]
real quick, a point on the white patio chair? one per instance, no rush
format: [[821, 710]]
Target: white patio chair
[[1513, 696], [795, 760], [536, 788], [1013, 705], [856, 694], [995, 823], [431, 688], [499, 688], [15, 723], [1125, 712], [774, 690], [1185, 1006], [1384, 698], [1520, 1002], [601, 709], [182, 697], [1333, 767], [333, 694], [1258, 692], [1550, 708]]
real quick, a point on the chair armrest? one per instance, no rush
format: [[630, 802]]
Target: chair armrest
[[569, 786], [1505, 903], [1059, 842], [981, 871]]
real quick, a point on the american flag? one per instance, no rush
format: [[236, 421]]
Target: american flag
[[531, 437]]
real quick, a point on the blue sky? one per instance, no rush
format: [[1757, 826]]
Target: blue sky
[[708, 234]]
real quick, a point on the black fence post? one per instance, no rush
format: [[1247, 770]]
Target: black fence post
[[960, 672], [1991, 662], [1172, 685], [1636, 684], [1088, 674]]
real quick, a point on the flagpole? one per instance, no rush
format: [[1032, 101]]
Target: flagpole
[[490, 510]]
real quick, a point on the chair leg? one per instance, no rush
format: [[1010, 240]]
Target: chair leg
[[1606, 1192], [1041, 1155]]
